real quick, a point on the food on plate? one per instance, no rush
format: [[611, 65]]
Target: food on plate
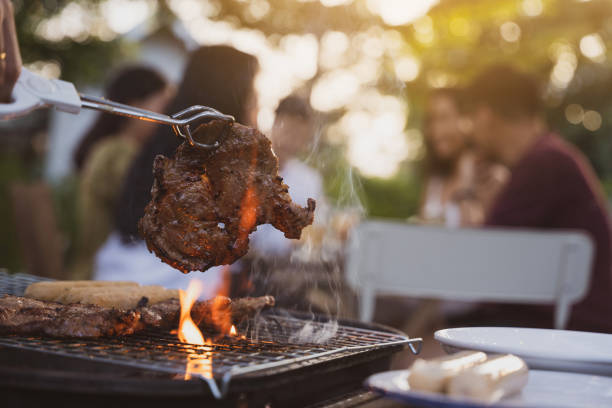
[[434, 375], [121, 295], [205, 203], [27, 316], [497, 378]]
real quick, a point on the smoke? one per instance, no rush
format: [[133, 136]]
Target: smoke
[[308, 275], [315, 333]]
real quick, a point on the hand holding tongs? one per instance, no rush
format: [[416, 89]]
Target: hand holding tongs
[[32, 92]]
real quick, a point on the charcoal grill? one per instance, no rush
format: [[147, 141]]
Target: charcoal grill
[[271, 357]]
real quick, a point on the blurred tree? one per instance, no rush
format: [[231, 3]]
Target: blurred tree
[[81, 55], [564, 42]]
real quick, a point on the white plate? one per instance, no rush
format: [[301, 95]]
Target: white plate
[[561, 350], [545, 389]]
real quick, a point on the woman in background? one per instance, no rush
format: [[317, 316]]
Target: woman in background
[[104, 155], [459, 186], [220, 77]]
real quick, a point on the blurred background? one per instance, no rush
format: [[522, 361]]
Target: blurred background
[[365, 66]]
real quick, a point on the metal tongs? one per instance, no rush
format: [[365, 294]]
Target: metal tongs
[[32, 92]]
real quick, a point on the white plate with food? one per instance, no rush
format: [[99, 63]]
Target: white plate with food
[[543, 389], [561, 350]]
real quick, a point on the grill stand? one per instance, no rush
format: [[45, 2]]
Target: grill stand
[[272, 353]]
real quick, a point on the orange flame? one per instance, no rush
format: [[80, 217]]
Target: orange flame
[[233, 331], [188, 332]]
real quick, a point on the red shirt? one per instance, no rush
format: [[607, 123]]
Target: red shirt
[[554, 187]]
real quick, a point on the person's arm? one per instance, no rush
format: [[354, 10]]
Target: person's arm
[[10, 57]]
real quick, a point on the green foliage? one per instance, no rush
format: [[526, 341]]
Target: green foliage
[[398, 197], [83, 60]]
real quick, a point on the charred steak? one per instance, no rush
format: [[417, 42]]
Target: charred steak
[[205, 203], [21, 315], [26, 316]]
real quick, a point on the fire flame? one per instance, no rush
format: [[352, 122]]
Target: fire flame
[[199, 361], [188, 332]]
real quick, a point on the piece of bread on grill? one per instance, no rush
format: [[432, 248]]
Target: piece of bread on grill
[[120, 295], [53, 290]]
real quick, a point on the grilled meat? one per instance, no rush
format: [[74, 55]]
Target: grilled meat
[[214, 314], [205, 203], [26, 316], [20, 315]]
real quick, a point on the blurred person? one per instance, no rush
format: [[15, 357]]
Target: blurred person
[[552, 185], [217, 76], [293, 138], [459, 185], [105, 154], [10, 57]]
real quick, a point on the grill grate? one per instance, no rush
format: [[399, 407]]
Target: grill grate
[[273, 347]]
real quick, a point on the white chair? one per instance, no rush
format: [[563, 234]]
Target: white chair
[[478, 265]]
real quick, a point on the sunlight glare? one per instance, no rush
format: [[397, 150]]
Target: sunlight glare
[[123, 15], [399, 12], [334, 45], [334, 90], [407, 68], [593, 47]]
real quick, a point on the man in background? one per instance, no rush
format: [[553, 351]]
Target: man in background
[[552, 185]]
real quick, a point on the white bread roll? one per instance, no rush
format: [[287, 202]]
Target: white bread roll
[[434, 375], [51, 291], [120, 295], [497, 378]]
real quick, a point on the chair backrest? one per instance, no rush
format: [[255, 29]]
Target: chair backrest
[[498, 265]]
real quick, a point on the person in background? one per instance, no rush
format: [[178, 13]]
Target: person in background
[[104, 155], [458, 184], [10, 57], [552, 186], [293, 138], [217, 76]]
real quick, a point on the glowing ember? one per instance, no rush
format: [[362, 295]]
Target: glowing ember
[[233, 331]]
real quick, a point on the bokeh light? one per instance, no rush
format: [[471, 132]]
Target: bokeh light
[[373, 129], [407, 68], [510, 31], [592, 120], [123, 15], [334, 90], [593, 47], [398, 12], [532, 8], [574, 114]]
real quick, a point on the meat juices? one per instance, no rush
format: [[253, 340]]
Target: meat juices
[[205, 203]]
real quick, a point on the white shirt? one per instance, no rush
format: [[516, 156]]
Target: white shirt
[[116, 261]]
